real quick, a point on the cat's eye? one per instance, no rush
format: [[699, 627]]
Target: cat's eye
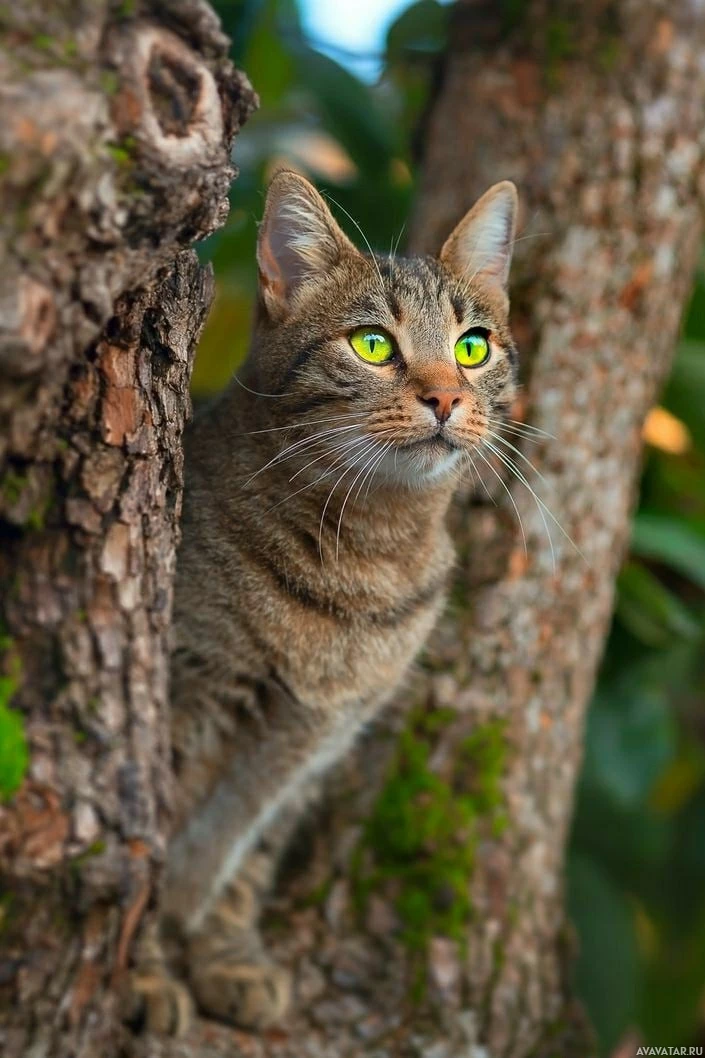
[[472, 349], [372, 344]]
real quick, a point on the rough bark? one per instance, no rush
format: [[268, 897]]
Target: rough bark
[[596, 112], [115, 133]]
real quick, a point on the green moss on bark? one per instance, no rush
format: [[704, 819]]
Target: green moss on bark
[[420, 843], [14, 755]]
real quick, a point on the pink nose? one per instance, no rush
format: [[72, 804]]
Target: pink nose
[[443, 401]]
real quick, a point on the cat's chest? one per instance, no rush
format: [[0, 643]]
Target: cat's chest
[[348, 636], [354, 665]]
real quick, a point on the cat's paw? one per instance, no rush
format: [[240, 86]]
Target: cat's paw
[[158, 1003], [252, 995]]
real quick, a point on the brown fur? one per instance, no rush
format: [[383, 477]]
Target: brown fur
[[306, 584]]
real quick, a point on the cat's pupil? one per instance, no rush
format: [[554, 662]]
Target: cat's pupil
[[373, 342]]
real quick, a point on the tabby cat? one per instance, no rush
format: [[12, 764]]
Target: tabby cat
[[315, 557]]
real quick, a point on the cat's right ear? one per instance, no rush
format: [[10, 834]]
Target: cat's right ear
[[480, 247], [298, 240]]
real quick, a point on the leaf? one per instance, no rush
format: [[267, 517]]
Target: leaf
[[413, 43], [673, 541], [650, 611], [630, 739], [268, 51], [685, 392], [420, 29], [672, 995], [607, 971], [239, 20], [350, 111], [695, 316], [632, 844], [224, 344], [14, 756]]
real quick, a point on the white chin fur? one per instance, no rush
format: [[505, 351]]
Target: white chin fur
[[415, 468]]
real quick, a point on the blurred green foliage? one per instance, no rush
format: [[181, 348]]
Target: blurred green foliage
[[636, 863], [354, 139]]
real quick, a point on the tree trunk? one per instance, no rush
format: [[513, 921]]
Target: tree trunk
[[117, 122], [596, 112]]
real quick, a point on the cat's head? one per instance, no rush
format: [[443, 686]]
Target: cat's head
[[407, 363]]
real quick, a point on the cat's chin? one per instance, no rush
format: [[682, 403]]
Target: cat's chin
[[419, 466]]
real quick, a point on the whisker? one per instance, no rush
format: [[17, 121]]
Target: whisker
[[473, 470], [299, 446], [287, 453], [509, 493], [372, 476], [511, 466], [523, 426], [345, 448], [299, 425], [540, 503], [310, 484], [531, 235], [312, 442], [371, 468], [346, 445], [254, 391], [396, 245], [367, 241], [480, 478], [347, 496], [504, 441], [516, 432], [325, 507]]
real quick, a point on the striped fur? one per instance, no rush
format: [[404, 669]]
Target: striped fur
[[300, 605]]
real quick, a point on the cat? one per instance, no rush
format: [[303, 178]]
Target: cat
[[315, 558]]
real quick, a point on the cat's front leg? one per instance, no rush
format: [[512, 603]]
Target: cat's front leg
[[221, 862], [222, 968], [230, 972], [275, 748]]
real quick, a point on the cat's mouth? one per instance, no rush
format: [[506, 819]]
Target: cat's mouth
[[423, 459], [434, 440]]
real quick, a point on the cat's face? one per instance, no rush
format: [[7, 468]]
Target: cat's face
[[402, 366]]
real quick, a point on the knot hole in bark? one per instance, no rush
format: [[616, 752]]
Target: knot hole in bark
[[175, 89], [181, 113]]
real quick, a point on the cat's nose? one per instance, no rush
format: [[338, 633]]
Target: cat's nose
[[443, 401]]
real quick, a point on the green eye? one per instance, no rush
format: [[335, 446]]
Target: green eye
[[372, 344], [472, 349]]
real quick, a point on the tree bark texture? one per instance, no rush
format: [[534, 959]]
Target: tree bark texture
[[596, 112], [115, 133]]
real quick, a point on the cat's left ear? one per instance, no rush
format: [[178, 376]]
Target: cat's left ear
[[298, 240], [481, 244]]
